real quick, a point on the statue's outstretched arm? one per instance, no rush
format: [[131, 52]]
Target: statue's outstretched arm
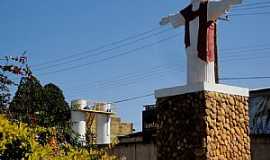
[[176, 20], [219, 7]]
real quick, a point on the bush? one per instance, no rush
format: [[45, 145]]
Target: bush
[[18, 141]]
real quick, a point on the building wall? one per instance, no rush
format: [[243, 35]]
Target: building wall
[[135, 151], [125, 128], [117, 127], [260, 147]]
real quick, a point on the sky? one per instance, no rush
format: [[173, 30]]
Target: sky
[[112, 50]]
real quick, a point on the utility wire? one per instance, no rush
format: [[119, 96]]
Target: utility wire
[[244, 78], [111, 49], [136, 81], [251, 8], [134, 78], [122, 40], [246, 49], [246, 59], [250, 14], [117, 47], [79, 58], [132, 98], [160, 68], [251, 4], [111, 57], [224, 79], [246, 46], [234, 55], [128, 83], [116, 42], [123, 76], [239, 50], [98, 48]]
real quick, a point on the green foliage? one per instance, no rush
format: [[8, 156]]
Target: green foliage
[[4, 96], [44, 105], [18, 141], [21, 147], [13, 65], [28, 99], [56, 108]]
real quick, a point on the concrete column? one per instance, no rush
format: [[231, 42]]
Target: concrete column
[[78, 120], [103, 129], [203, 121], [103, 123], [79, 125]]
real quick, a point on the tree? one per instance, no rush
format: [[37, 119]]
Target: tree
[[14, 65], [4, 92], [44, 105], [56, 107], [28, 99]]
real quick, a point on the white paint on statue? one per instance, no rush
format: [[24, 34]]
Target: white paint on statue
[[198, 68]]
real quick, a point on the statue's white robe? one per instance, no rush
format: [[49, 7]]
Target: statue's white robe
[[199, 70]]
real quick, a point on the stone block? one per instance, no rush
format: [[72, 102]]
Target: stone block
[[210, 125]]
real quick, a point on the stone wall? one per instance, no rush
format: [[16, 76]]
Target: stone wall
[[203, 125]]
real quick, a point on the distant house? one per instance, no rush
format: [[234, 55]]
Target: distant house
[[142, 145], [259, 118], [117, 128], [259, 111]]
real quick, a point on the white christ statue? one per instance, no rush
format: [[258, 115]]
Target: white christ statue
[[199, 19]]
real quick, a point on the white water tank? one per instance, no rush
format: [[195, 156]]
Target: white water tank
[[78, 120], [103, 122], [78, 104], [78, 126]]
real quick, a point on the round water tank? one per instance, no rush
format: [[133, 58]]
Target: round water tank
[[105, 107], [78, 126], [103, 122], [78, 104]]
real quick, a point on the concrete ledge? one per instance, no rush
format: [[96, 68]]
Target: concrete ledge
[[167, 92]]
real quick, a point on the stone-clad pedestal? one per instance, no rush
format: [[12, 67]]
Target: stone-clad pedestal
[[203, 122]]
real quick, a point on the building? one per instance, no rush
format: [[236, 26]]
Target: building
[[259, 111], [259, 122], [117, 126], [96, 123], [133, 147], [142, 145]]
